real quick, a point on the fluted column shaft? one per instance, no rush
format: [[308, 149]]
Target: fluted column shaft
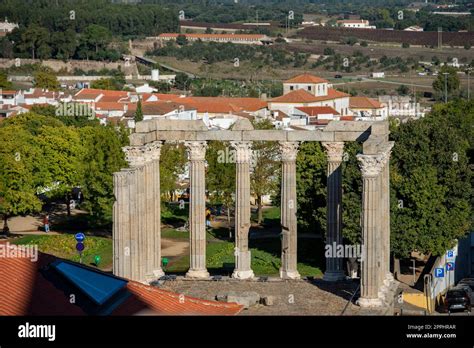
[[371, 167], [242, 211], [334, 265], [156, 235], [197, 210], [288, 268]]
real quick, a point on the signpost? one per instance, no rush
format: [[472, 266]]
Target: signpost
[[80, 237]]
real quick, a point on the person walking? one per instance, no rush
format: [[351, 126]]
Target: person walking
[[208, 218], [46, 223]]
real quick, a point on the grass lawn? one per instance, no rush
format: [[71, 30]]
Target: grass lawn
[[271, 215], [64, 246], [265, 258]]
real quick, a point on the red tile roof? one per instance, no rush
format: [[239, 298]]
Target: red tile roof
[[91, 93], [223, 104], [27, 291], [364, 103], [306, 78], [317, 110], [301, 96]]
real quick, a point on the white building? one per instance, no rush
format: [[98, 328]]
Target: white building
[[7, 27], [355, 23], [307, 90]]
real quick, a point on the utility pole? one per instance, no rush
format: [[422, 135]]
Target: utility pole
[[440, 37], [445, 87], [468, 84]]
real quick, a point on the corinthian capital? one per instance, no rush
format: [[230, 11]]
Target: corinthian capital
[[243, 151], [135, 155], [196, 150], [289, 150], [154, 150], [334, 150], [371, 165]]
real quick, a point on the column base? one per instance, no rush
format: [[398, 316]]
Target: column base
[[158, 273], [289, 274], [334, 276], [369, 302], [243, 274], [198, 274]]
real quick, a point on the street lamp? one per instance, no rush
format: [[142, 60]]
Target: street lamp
[[445, 87]]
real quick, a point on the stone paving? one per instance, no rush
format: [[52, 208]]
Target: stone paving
[[289, 297]]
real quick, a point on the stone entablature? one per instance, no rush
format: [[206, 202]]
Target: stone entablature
[[137, 235]]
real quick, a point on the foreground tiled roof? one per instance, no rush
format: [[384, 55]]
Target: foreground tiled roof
[[301, 96], [306, 78], [364, 103], [31, 288]]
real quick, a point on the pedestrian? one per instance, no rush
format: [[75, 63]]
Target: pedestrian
[[46, 223], [208, 217]]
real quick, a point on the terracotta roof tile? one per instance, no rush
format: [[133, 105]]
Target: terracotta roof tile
[[302, 96], [364, 103], [317, 110], [224, 105], [28, 288], [306, 78]]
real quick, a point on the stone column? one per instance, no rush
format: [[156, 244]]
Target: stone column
[[386, 215], [371, 167], [197, 210], [149, 187], [156, 266], [242, 210], [121, 223], [334, 265], [288, 268], [136, 158]]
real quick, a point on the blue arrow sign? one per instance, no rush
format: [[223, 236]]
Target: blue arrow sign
[[80, 237], [439, 272], [449, 266]]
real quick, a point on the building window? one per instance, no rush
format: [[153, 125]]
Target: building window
[[292, 88], [309, 88]]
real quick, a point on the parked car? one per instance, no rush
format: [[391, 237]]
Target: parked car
[[468, 290], [457, 298], [468, 281], [338, 76]]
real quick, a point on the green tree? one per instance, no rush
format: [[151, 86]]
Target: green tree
[[103, 156], [220, 176], [97, 36], [47, 80], [451, 81], [264, 177], [63, 153], [4, 83], [181, 40], [139, 112], [431, 182], [20, 164]]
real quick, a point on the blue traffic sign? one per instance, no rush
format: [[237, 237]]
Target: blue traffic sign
[[449, 266], [439, 272], [450, 253], [80, 237], [80, 247]]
